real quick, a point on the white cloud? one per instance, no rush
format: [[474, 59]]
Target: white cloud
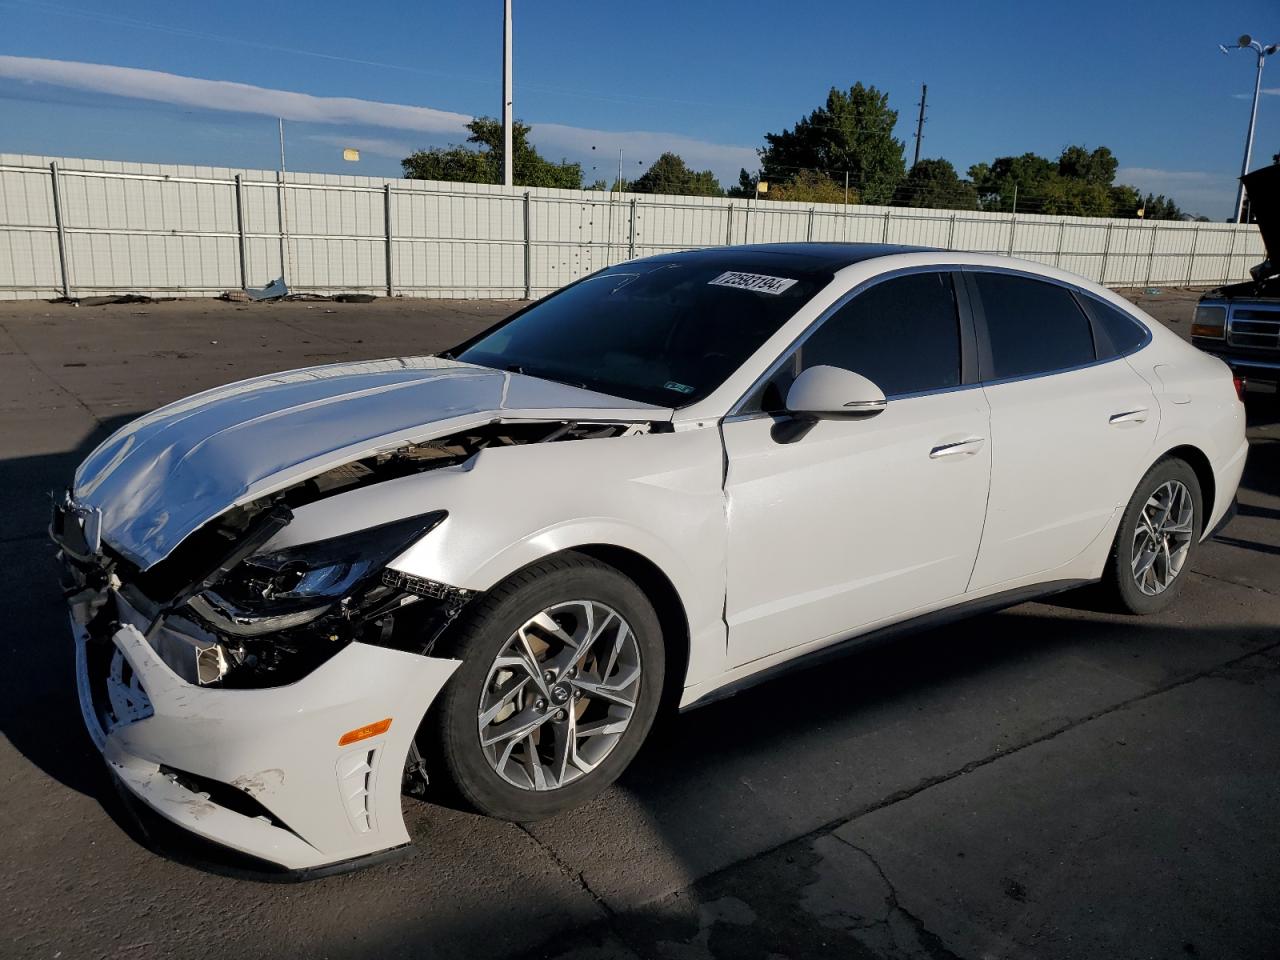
[[552, 139], [377, 146]]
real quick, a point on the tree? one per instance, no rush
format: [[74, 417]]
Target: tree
[[852, 133], [1081, 183], [669, 174], [1160, 207], [463, 165], [997, 181], [746, 186], [935, 183], [1079, 163], [809, 186]]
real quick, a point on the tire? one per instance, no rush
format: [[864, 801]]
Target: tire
[[580, 595], [1141, 528]]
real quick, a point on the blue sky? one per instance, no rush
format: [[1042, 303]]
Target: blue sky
[[705, 79]]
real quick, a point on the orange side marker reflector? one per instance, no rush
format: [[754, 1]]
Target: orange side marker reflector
[[365, 732]]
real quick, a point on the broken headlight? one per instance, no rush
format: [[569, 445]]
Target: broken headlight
[[270, 592]]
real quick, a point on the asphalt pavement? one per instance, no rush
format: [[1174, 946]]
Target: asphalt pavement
[[1044, 782]]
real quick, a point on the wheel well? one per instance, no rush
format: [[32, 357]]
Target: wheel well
[[1199, 463], [649, 577]]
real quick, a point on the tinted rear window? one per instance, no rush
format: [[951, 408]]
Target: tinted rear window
[[1124, 332], [666, 333], [1034, 327]]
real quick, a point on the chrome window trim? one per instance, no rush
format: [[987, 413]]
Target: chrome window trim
[[736, 412]]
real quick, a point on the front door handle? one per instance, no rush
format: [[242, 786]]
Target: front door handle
[[957, 448], [1129, 416]]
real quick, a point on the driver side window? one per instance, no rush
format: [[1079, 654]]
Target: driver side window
[[903, 334]]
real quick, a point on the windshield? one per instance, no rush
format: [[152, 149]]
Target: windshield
[[661, 332]]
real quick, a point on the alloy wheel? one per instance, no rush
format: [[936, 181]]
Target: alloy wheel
[[1162, 538], [559, 695]]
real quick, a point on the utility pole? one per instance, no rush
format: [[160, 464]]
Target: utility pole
[[924, 93], [506, 95], [846, 187]]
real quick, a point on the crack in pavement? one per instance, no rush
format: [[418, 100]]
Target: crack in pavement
[[577, 877], [928, 783], [1234, 583], [931, 942], [22, 351]]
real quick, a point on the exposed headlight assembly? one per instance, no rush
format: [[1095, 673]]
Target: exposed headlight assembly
[[270, 592]]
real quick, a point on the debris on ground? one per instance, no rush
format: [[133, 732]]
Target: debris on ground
[[272, 291], [278, 290]]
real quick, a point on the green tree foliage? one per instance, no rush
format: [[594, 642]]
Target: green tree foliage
[[853, 133], [1081, 183], [746, 186], [669, 174], [1160, 207], [809, 186], [935, 183], [996, 182], [1079, 163], [463, 165]]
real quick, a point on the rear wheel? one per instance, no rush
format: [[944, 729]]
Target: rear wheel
[[1158, 534], [562, 670]]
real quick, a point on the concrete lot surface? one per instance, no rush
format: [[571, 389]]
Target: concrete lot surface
[[1045, 782]]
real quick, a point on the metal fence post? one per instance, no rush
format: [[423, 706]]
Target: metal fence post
[[244, 260], [1013, 229], [631, 240], [951, 233], [284, 229], [1106, 249], [1231, 255], [884, 238], [62, 231], [809, 234], [728, 226], [1151, 252], [1062, 229], [528, 247], [1191, 260], [386, 216]]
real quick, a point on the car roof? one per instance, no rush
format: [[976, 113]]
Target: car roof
[[807, 258]]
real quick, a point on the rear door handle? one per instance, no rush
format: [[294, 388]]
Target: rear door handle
[[957, 448], [1129, 416]]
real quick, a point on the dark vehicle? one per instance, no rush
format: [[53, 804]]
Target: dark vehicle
[[1240, 323]]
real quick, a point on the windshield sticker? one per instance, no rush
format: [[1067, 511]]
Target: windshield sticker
[[678, 387], [756, 282]]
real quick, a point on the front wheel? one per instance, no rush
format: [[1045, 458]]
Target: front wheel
[[561, 675], [1158, 533]]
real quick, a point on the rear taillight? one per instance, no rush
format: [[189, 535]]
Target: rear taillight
[[1240, 384]]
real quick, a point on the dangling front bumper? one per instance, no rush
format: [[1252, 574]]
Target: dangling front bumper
[[260, 771]]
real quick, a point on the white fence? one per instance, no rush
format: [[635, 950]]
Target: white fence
[[84, 227]]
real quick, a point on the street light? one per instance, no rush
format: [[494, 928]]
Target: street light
[[1247, 42]]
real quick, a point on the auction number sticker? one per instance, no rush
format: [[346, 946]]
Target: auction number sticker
[[756, 282]]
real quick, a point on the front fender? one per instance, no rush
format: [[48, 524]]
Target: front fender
[[658, 495]]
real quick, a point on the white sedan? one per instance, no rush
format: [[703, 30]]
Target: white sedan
[[297, 596]]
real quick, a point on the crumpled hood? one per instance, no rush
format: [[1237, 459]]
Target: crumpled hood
[[164, 475]]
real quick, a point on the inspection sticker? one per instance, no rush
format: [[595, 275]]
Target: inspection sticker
[[756, 282]]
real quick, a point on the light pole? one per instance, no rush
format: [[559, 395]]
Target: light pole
[[506, 94], [1247, 42]]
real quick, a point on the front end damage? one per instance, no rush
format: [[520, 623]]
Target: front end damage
[[268, 699]]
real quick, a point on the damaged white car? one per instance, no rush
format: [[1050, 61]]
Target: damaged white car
[[297, 596]]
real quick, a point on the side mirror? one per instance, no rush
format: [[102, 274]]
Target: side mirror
[[823, 392]]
